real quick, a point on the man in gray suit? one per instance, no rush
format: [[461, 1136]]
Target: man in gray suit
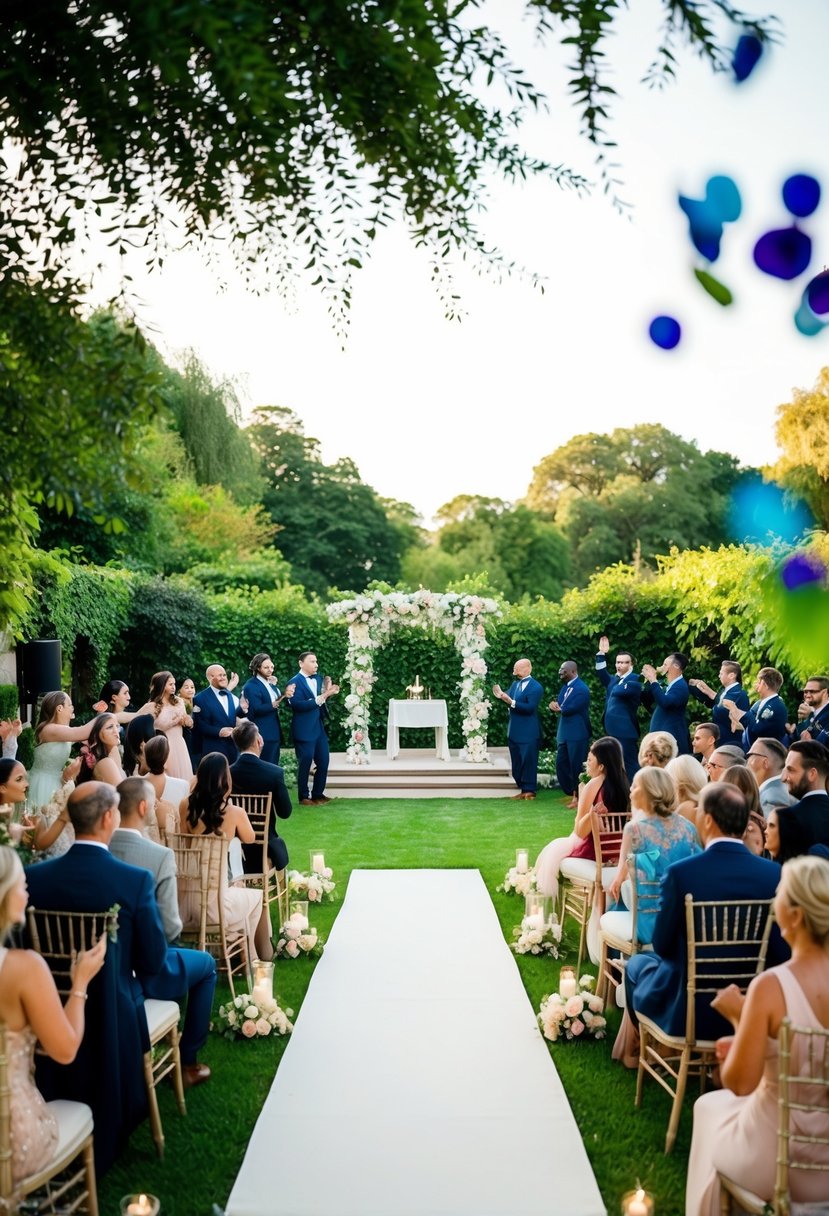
[[766, 758], [187, 973]]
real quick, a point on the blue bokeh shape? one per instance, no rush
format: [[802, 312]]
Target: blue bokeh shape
[[760, 510], [665, 332]]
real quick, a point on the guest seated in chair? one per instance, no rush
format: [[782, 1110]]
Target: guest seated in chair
[[655, 984], [253, 775], [736, 1128], [31, 1009]]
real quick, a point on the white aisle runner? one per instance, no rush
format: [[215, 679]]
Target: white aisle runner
[[416, 1082]]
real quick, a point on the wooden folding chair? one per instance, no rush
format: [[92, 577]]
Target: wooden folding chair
[[67, 1182], [201, 864], [584, 881], [57, 936], [727, 943], [619, 931], [272, 883], [803, 1091]]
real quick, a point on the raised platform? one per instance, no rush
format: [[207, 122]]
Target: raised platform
[[417, 773]]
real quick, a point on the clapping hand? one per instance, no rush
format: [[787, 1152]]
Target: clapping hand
[[604, 644], [243, 703], [71, 770], [10, 726], [233, 681], [649, 672], [555, 707], [289, 691], [87, 964], [729, 1002]]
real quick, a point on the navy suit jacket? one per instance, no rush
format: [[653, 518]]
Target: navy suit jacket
[[262, 710], [574, 718], [252, 775], [770, 723], [727, 870], [816, 724], [720, 716], [308, 717], [524, 723], [806, 822], [621, 707], [211, 720], [669, 711]]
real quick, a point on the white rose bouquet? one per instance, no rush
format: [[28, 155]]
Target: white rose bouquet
[[573, 1017], [297, 939], [517, 882], [245, 1017], [534, 938], [317, 888]]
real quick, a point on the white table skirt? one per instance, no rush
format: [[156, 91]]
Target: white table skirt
[[422, 715]]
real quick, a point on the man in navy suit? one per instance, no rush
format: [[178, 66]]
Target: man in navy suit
[[624, 692], [731, 676], [218, 711], [655, 984], [524, 731], [253, 775], [108, 1072], [308, 703], [260, 701], [669, 702], [573, 734], [805, 776], [814, 710], [766, 719]]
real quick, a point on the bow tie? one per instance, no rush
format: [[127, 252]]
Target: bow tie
[[221, 692]]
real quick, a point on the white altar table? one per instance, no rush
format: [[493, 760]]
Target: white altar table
[[421, 715]]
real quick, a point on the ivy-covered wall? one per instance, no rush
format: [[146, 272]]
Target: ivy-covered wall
[[711, 604]]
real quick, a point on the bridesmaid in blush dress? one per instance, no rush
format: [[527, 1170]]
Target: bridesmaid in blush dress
[[31, 1009], [170, 717]]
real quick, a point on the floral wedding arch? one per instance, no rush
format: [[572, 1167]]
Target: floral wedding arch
[[371, 618]]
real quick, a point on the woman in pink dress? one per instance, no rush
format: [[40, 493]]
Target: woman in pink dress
[[607, 790], [170, 717], [735, 1128]]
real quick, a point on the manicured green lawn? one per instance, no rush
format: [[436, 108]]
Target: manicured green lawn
[[204, 1150]]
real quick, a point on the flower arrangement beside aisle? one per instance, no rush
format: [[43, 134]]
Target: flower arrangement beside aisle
[[517, 882], [573, 1016], [297, 939], [532, 938], [245, 1017], [317, 888]]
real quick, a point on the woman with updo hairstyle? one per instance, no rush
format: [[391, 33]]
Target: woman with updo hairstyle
[[169, 791], [209, 811], [170, 717], [656, 749], [745, 781], [736, 1128], [690, 779], [260, 700], [31, 1010], [101, 753]]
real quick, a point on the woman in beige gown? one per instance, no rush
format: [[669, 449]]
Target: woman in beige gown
[[735, 1128], [31, 1009], [170, 717]]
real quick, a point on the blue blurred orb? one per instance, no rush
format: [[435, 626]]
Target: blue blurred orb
[[760, 510], [801, 194], [801, 569], [747, 54], [665, 332], [817, 293], [805, 320], [722, 193], [784, 253]]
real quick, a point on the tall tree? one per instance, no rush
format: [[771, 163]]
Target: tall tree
[[802, 432]]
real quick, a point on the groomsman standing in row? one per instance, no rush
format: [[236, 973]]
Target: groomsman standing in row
[[573, 734], [731, 681], [669, 702], [624, 692], [310, 712], [524, 731]]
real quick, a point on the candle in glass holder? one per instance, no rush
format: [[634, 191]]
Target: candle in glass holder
[[317, 861], [637, 1203], [299, 913], [262, 982], [567, 985], [140, 1205], [522, 861], [534, 921]]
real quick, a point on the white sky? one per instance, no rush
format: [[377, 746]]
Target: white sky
[[429, 409]]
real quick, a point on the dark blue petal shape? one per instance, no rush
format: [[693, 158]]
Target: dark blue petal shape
[[665, 332], [722, 193], [801, 194], [817, 293], [801, 569], [747, 54], [784, 253]]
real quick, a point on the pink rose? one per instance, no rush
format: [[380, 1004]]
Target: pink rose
[[291, 949], [574, 1006], [577, 1027], [358, 736], [249, 1029], [262, 1026]]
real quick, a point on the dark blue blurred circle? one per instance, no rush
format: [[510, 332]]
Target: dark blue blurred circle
[[784, 253], [801, 194], [665, 332], [801, 569], [817, 293], [747, 53]]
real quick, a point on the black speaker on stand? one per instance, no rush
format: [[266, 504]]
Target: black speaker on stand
[[40, 667]]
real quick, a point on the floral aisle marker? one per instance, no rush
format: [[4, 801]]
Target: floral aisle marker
[[298, 939], [318, 887], [247, 1017], [370, 618], [573, 1015]]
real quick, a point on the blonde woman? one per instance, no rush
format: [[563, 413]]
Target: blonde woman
[[690, 779], [656, 749], [32, 1011], [735, 1128]]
